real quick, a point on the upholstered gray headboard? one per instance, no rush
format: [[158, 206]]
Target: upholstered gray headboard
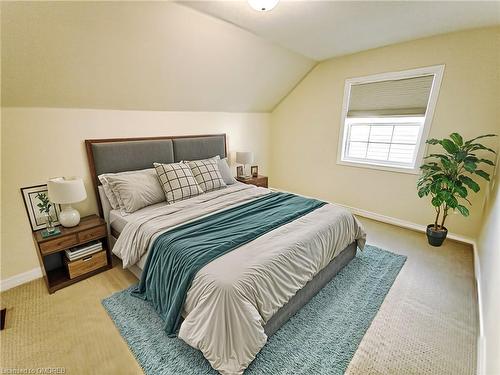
[[128, 154]]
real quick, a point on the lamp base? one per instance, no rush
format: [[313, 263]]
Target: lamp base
[[69, 217], [246, 175]]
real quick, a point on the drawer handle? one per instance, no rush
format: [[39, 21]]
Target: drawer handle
[[87, 258]]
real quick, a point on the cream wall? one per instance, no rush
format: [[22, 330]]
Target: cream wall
[[489, 259], [138, 55], [305, 125], [38, 143]]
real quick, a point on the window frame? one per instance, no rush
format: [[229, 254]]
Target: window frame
[[437, 71]]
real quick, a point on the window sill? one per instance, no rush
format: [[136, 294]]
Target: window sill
[[385, 168]]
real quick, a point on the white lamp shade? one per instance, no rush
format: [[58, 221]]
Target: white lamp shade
[[244, 157], [66, 190]]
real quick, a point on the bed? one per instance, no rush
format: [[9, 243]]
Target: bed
[[238, 300]]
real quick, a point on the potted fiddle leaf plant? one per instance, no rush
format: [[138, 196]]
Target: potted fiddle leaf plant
[[449, 177]]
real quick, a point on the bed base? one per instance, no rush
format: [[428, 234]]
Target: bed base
[[304, 295]]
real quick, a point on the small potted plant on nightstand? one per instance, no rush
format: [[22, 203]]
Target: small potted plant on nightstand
[[44, 207], [447, 178]]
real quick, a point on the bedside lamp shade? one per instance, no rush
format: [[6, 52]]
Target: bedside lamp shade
[[244, 157], [66, 191]]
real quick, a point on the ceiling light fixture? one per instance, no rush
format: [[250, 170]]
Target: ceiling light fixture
[[263, 5]]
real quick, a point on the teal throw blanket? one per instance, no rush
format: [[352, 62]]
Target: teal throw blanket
[[178, 254]]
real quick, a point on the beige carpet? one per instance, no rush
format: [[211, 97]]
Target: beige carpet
[[427, 324]]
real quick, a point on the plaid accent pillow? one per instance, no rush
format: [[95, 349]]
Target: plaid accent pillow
[[207, 174], [177, 181]]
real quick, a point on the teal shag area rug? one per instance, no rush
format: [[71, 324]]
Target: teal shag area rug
[[320, 339]]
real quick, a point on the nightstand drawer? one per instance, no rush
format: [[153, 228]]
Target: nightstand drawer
[[57, 244], [92, 234], [261, 183], [86, 264]]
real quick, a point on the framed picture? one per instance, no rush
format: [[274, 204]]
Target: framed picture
[[254, 170], [239, 171], [31, 196]]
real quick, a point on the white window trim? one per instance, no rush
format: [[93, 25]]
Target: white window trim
[[437, 71]]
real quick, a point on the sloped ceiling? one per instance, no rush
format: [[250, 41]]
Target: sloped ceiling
[[141, 56], [325, 29]]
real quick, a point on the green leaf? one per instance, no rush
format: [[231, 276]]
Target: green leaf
[[446, 163], [462, 155], [457, 138], [486, 161], [449, 146], [423, 192], [478, 146], [471, 157], [461, 191], [440, 156], [483, 174], [432, 141], [436, 201], [470, 166], [481, 136], [444, 195], [470, 183], [452, 201], [432, 167], [463, 210]]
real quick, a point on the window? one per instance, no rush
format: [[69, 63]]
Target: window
[[383, 140], [386, 119]]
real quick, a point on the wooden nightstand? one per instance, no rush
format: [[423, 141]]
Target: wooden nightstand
[[52, 257], [257, 181]]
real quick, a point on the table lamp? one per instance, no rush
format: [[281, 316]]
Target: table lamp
[[65, 191], [244, 158]]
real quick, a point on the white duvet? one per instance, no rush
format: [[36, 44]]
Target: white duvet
[[232, 298]]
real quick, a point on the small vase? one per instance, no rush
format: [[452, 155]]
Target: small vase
[[50, 222]]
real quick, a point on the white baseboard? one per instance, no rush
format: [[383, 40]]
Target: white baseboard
[[402, 223], [21, 278]]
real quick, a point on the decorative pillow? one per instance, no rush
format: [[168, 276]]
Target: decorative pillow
[[135, 190], [207, 174], [177, 181]]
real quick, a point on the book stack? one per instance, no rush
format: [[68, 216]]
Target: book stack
[[83, 250]]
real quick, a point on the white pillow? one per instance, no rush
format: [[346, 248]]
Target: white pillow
[[107, 189], [177, 181], [206, 172], [135, 190], [106, 206], [225, 171]]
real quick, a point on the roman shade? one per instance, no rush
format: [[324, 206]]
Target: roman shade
[[401, 97]]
